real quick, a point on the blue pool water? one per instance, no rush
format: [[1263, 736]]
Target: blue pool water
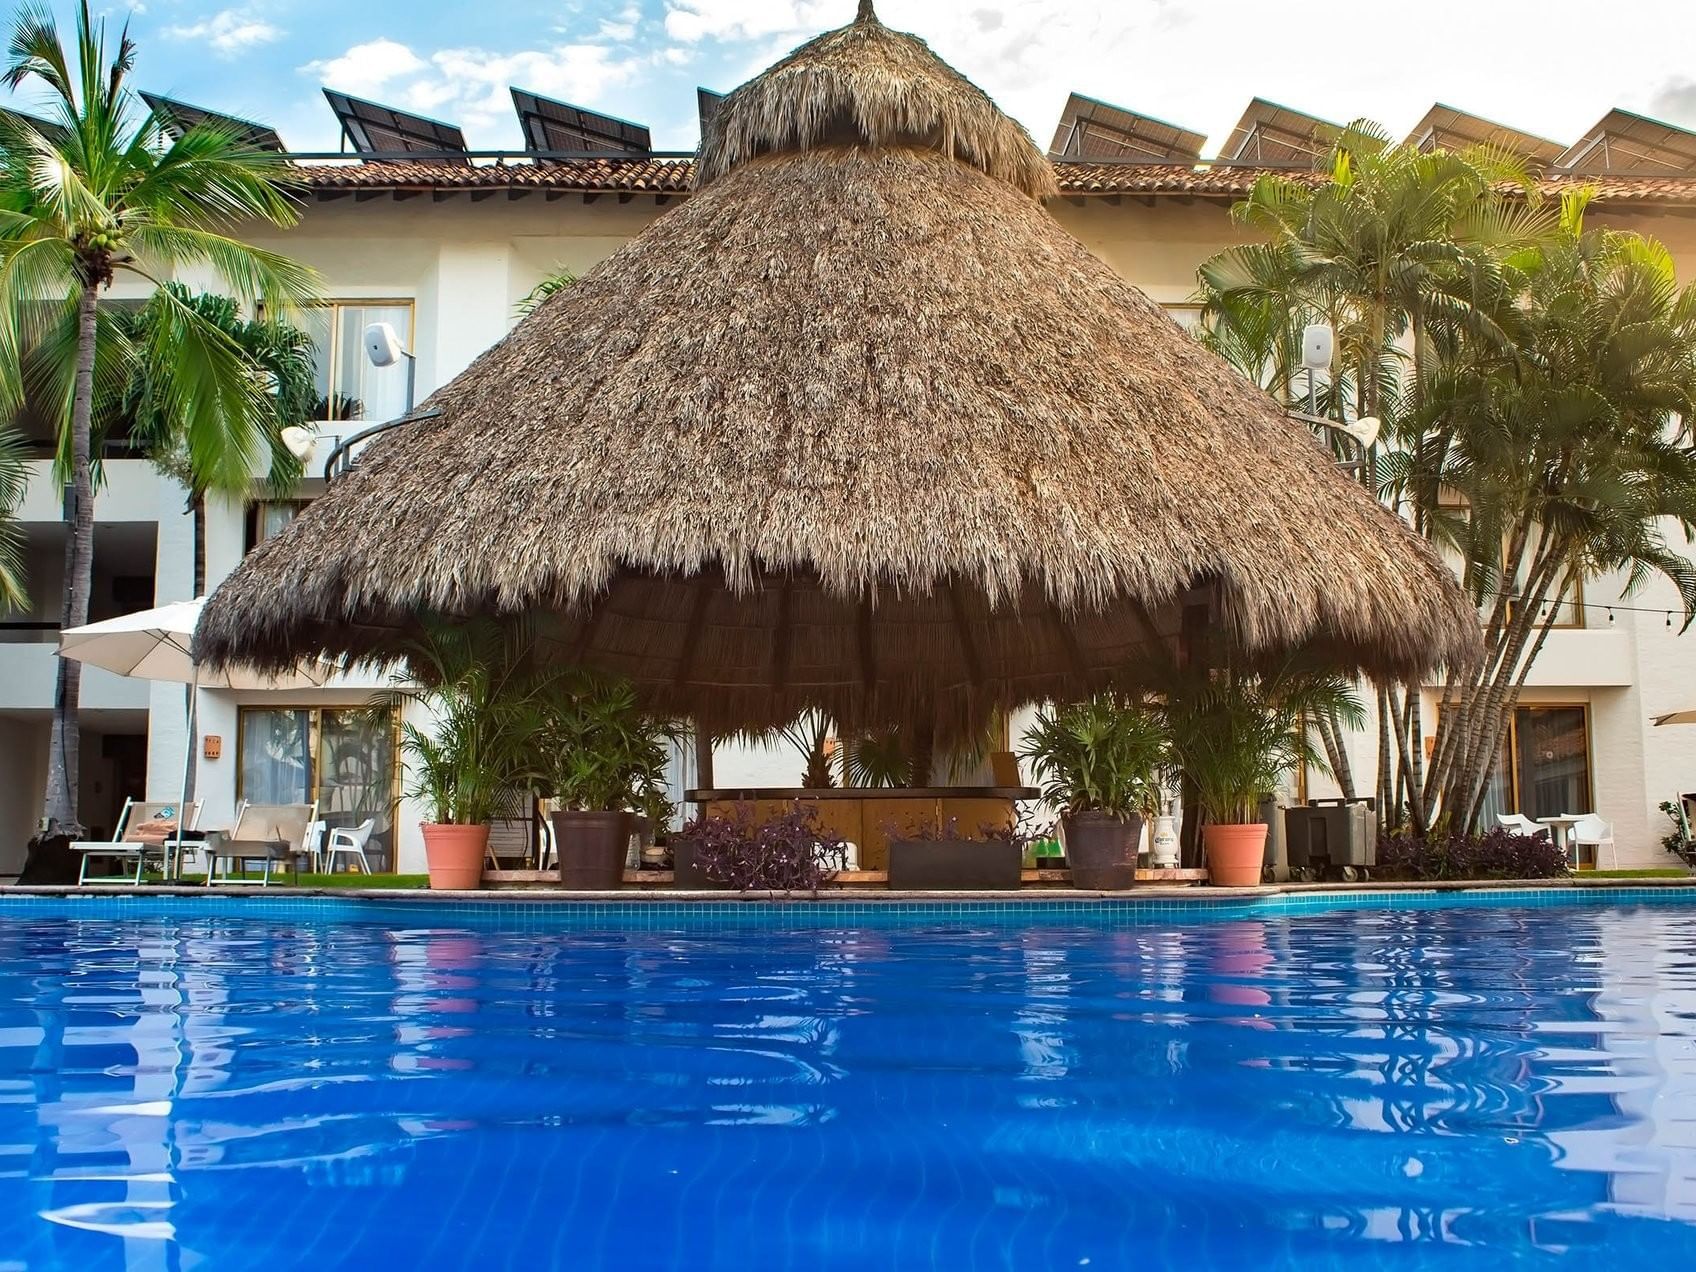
[[1474, 1087]]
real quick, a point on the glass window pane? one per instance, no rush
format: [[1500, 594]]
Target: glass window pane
[[367, 392], [276, 756], [318, 321], [1498, 791], [1554, 761], [357, 774]]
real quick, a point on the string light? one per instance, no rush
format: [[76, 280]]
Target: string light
[[1545, 606]]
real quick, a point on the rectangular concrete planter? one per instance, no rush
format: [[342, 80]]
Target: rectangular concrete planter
[[953, 864]]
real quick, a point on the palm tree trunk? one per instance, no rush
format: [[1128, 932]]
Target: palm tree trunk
[[59, 806]]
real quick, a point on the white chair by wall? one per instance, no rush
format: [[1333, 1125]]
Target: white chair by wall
[[1592, 830], [350, 842], [1520, 824], [314, 846]]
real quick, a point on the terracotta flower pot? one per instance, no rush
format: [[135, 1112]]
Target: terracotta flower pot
[[1101, 850], [455, 854], [1235, 854], [592, 847]]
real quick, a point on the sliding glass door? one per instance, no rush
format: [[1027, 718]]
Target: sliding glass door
[[342, 757]]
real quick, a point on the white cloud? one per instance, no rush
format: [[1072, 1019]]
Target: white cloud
[[229, 31], [471, 87], [692, 20], [621, 29], [366, 68]]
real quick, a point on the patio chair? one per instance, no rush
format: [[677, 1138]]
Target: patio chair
[[268, 833], [1520, 824], [1590, 830], [350, 842], [145, 830]]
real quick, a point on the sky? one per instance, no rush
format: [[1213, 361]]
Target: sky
[[1550, 67]]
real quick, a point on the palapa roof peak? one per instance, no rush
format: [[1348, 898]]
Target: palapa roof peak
[[866, 85]]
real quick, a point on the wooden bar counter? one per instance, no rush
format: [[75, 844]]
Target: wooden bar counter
[[870, 816]]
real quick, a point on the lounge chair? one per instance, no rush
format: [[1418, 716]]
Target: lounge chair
[[268, 833], [145, 830]]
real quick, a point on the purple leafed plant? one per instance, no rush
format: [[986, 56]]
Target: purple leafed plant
[[1497, 854], [791, 853]]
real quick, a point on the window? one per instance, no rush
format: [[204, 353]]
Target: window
[[1544, 767], [349, 387], [266, 519], [343, 757]]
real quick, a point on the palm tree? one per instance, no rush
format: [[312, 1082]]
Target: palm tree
[[1572, 450], [215, 454], [112, 195], [1392, 243], [14, 479]]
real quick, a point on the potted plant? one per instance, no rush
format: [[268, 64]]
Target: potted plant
[[1236, 735], [1099, 763], [472, 678], [945, 857], [603, 756], [788, 853]]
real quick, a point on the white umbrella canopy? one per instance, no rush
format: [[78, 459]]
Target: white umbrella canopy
[[154, 644], [1677, 717]]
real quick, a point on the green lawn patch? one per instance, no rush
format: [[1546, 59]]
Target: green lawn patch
[[1658, 872]]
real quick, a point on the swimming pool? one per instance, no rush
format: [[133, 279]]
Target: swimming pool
[[1446, 1086]]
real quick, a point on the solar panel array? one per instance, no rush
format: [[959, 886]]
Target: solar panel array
[[1445, 128], [1091, 129], [374, 129], [1624, 144], [177, 118], [1276, 135], [707, 103], [49, 130], [563, 128]]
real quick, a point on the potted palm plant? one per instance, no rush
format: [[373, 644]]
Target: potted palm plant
[[603, 756], [1236, 735], [1099, 763], [472, 678]]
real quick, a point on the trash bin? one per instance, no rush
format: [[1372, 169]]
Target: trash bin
[[1330, 838]]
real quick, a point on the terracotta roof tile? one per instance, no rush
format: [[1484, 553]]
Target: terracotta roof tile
[[675, 176]]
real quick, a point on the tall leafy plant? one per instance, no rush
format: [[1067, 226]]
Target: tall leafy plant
[[477, 681], [600, 750], [1237, 734], [1105, 755], [108, 192]]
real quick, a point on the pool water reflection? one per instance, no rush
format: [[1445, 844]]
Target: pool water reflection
[[1454, 1088]]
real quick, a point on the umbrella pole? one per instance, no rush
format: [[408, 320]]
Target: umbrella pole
[[188, 762]]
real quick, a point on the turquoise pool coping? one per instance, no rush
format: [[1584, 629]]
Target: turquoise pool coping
[[709, 911]]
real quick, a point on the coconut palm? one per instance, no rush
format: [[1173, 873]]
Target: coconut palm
[[109, 193], [14, 478]]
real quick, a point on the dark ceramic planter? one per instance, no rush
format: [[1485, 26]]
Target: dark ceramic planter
[[592, 848], [933, 865], [1102, 851], [687, 872]]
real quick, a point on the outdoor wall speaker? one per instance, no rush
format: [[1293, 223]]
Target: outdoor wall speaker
[[382, 345], [1365, 430], [1317, 345]]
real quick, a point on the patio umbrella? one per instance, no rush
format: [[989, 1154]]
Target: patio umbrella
[[857, 426], [157, 644]]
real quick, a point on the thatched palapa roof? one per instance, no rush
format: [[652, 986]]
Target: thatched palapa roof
[[857, 426]]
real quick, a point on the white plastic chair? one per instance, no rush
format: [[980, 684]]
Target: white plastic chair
[[314, 846], [1592, 830], [1520, 824], [349, 841]]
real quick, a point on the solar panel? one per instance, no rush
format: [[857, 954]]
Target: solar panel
[[1445, 128], [176, 118], [375, 129], [707, 103], [51, 131], [560, 126], [1622, 143], [1091, 129], [1272, 134]]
